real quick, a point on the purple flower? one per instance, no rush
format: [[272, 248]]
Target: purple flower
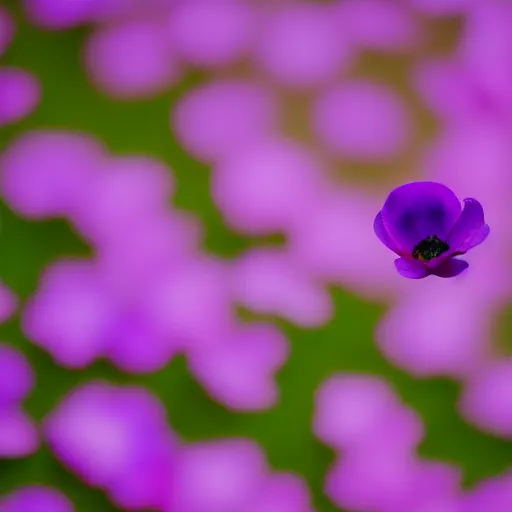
[[8, 303], [20, 93], [7, 29], [486, 401], [228, 475], [423, 223], [115, 438], [18, 435], [36, 499]]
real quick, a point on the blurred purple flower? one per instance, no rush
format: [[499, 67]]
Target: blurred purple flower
[[266, 186], [215, 119], [351, 407], [450, 92], [8, 303], [20, 93], [446, 331], [7, 29], [385, 483], [77, 318], [378, 25], [212, 34], [123, 191], [116, 438], [44, 173], [448, 8], [18, 434], [301, 46], [131, 60], [423, 223], [269, 282], [284, 493], [361, 120], [36, 499], [60, 14], [485, 49], [16, 377], [69, 313], [457, 159], [240, 372], [218, 476], [192, 304], [492, 494], [487, 398], [331, 243], [232, 475], [136, 253], [380, 473]]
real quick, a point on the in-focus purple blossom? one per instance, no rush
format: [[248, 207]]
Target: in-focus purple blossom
[[423, 223], [36, 499]]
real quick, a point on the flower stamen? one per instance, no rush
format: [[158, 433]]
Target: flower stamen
[[430, 248]]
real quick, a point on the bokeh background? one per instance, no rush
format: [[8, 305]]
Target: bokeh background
[[269, 135]]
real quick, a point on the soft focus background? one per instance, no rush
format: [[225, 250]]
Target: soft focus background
[[187, 194]]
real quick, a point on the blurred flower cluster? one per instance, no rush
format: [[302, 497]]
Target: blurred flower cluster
[[282, 107]]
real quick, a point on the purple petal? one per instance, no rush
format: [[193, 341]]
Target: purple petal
[[417, 210], [37, 499], [18, 434], [450, 268], [411, 269], [470, 229], [383, 235]]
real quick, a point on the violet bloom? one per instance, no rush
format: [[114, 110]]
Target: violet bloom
[[423, 223], [43, 173], [131, 60], [20, 93], [269, 282], [8, 303], [36, 499], [487, 398], [240, 372], [18, 435], [7, 29], [115, 438]]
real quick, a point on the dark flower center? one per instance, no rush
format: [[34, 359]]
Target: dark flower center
[[429, 248]]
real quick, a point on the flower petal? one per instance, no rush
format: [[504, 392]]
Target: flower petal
[[383, 235], [470, 229], [411, 269], [450, 268], [417, 210]]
